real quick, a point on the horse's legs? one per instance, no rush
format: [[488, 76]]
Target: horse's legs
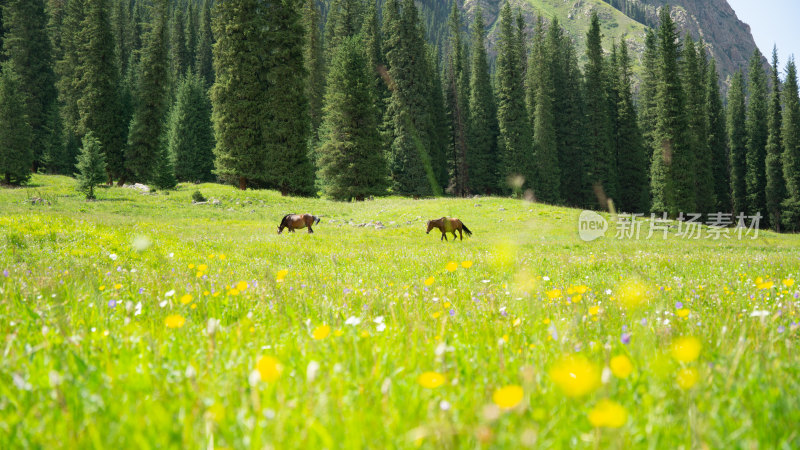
[[310, 231], [460, 234], [444, 236], [454, 234]]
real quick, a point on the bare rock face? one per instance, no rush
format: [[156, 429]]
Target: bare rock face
[[715, 22]]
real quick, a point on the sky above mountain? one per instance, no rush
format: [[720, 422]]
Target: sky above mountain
[[772, 22]]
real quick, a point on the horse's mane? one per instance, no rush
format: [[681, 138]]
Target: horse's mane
[[284, 218]]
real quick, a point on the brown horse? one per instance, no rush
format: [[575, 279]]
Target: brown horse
[[450, 225], [295, 221]]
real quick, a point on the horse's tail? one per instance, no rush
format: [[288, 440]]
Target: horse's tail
[[466, 230], [316, 219]]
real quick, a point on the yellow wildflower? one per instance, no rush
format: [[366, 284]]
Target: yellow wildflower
[[466, 264], [174, 321], [609, 414], [687, 378], [321, 332], [686, 349], [575, 375], [508, 397], [429, 281], [451, 266], [621, 366], [431, 380], [269, 368], [186, 299]]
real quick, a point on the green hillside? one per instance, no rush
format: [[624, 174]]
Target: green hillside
[[146, 320]]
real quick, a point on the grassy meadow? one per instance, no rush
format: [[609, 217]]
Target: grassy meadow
[[144, 321]]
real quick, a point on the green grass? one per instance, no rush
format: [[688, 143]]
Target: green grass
[[76, 372]]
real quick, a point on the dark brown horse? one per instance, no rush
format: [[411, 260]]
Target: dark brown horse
[[295, 221], [450, 225]]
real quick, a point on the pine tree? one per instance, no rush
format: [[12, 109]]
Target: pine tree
[[483, 130], [204, 60], [458, 105], [672, 171], [145, 139], [91, 166], [694, 81], [791, 148], [315, 66], [756, 176], [238, 94], [737, 134], [97, 82], [16, 134], [123, 33], [287, 130], [548, 182], [515, 138], [631, 154], [351, 163], [776, 186], [27, 48], [717, 141], [190, 136], [599, 159]]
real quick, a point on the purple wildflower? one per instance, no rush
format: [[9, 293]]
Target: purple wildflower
[[452, 312], [5, 273], [781, 329], [141, 290], [112, 303], [644, 322], [678, 305], [625, 338]]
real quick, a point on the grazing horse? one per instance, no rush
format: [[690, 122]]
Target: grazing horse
[[295, 221], [450, 225]]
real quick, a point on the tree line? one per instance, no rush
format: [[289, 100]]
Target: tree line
[[350, 98]]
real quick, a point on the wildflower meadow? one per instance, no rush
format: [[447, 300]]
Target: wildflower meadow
[[143, 320]]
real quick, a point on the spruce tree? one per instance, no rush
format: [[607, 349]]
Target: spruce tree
[[717, 141], [27, 48], [648, 116], [514, 142], [737, 134], [545, 147], [672, 171], [632, 161], [776, 186], [91, 166], [344, 20], [570, 117], [439, 125], [16, 134], [756, 175], [164, 169], [599, 160], [483, 130], [791, 148], [65, 26], [458, 105], [178, 53], [373, 42], [351, 163], [145, 139], [408, 111], [694, 80], [315, 66], [287, 130], [204, 60], [238, 94], [191, 31], [190, 136], [97, 82]]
